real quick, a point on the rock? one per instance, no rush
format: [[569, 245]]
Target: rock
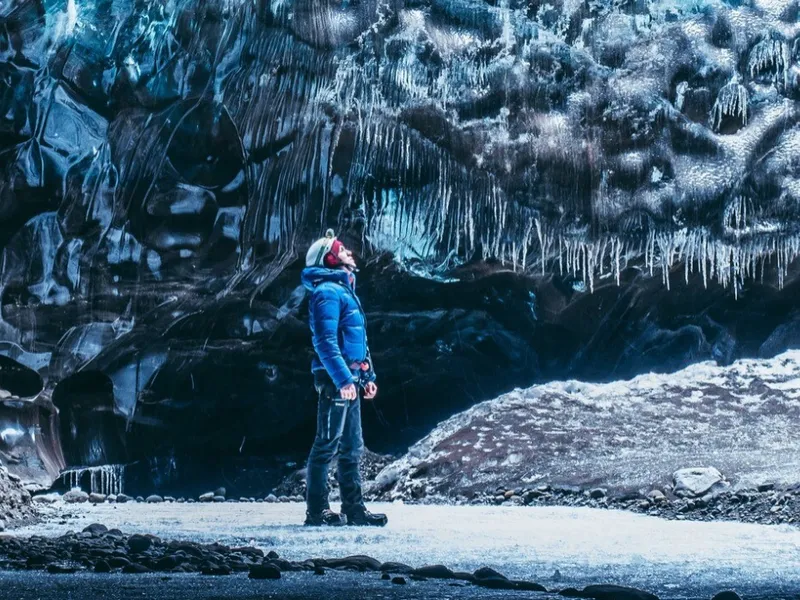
[[122, 498], [139, 499], [111, 498], [220, 491], [118, 562], [321, 571], [529, 586], [154, 499], [283, 498], [496, 583], [656, 496], [434, 572], [265, 571], [2, 525], [358, 562], [396, 567], [243, 499], [207, 497], [399, 580], [46, 498], [385, 576], [597, 493], [139, 543], [135, 568], [76, 495], [487, 572], [169, 499], [95, 529], [764, 487], [272, 555], [615, 592], [696, 481], [214, 569], [218, 498], [167, 563], [181, 500], [271, 498], [96, 498], [102, 566], [56, 568], [727, 595]]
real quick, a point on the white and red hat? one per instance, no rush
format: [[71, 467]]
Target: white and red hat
[[319, 250]]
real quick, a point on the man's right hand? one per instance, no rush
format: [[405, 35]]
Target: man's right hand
[[349, 392]]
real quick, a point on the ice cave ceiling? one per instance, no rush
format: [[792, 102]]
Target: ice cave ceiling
[[585, 188]]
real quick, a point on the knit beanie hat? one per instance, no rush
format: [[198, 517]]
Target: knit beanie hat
[[324, 252]]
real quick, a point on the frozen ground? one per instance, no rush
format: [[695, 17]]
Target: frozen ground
[[675, 559], [629, 435]]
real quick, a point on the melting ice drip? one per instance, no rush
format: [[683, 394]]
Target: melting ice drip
[[105, 479]]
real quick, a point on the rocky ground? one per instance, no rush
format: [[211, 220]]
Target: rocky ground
[[104, 550], [703, 495], [567, 552], [16, 507], [764, 505], [708, 442]]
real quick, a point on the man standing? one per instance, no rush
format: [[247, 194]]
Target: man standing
[[342, 370]]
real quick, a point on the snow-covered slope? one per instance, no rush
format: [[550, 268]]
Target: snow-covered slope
[[625, 435]]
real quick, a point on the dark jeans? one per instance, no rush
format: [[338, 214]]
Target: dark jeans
[[338, 430]]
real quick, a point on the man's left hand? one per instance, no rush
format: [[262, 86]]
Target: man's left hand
[[370, 390]]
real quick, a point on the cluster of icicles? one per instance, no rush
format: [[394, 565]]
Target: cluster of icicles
[[105, 479]]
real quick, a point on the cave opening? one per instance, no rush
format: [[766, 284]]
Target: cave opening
[[17, 380], [91, 431]]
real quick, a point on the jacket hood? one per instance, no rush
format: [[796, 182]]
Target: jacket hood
[[311, 277]]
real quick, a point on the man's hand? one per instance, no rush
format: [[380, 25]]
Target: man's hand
[[349, 392], [370, 390]]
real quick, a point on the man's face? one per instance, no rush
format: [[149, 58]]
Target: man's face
[[346, 258]]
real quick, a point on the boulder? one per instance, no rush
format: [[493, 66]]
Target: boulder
[[696, 481], [95, 529], [75, 496], [139, 543], [265, 571]]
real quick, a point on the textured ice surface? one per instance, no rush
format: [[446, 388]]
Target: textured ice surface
[[585, 545]]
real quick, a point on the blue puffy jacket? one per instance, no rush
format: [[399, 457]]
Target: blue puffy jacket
[[338, 326]]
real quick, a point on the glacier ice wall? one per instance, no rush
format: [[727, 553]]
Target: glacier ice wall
[[165, 162]]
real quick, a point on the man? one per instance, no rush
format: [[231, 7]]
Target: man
[[342, 370]]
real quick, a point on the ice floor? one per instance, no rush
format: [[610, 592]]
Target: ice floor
[[671, 558]]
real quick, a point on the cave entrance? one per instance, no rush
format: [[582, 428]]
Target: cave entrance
[[17, 380], [92, 433]]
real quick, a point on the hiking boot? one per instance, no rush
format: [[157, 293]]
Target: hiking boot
[[325, 517], [366, 518]]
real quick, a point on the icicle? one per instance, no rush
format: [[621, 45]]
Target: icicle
[[732, 101]]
